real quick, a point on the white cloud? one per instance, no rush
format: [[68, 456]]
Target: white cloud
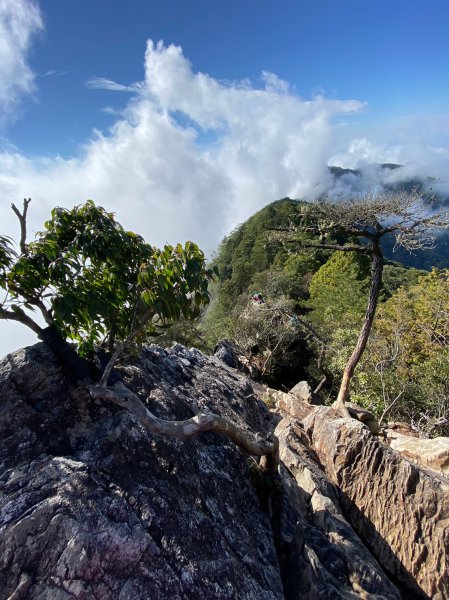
[[190, 157], [158, 168], [100, 83], [53, 72], [20, 20]]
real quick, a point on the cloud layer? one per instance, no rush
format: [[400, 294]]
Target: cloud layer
[[20, 20], [190, 157]]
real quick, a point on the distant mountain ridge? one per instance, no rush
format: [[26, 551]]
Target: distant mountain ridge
[[423, 259], [339, 171], [407, 184]]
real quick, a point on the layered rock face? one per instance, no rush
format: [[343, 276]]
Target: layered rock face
[[401, 511], [431, 453], [94, 507]]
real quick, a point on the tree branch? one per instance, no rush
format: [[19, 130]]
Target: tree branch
[[361, 249], [184, 430], [20, 316], [123, 345], [22, 216], [34, 301]]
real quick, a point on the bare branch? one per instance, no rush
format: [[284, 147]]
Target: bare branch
[[184, 430], [298, 319], [361, 249], [22, 216], [34, 301], [389, 406]]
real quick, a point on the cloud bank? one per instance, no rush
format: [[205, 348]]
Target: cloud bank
[[20, 21], [190, 157]]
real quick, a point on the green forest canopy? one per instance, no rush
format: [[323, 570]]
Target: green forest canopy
[[329, 291]]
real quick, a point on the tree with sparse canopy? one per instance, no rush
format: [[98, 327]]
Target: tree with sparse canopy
[[367, 220], [96, 284]]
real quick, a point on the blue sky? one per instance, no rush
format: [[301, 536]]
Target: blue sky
[[392, 55], [187, 117]]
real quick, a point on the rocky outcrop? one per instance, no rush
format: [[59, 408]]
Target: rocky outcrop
[[430, 453], [399, 510], [94, 506], [326, 557], [302, 391]]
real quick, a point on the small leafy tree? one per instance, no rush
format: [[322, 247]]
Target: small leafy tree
[[337, 292], [367, 220], [95, 283]]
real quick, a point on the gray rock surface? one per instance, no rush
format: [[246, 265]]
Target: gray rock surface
[[94, 507], [302, 390]]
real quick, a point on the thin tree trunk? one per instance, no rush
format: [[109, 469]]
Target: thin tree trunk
[[376, 281], [124, 345], [326, 376], [22, 216]]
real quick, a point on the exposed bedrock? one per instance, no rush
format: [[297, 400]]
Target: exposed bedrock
[[399, 510], [92, 506]]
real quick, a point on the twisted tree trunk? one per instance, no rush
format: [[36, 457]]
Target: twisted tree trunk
[[376, 282]]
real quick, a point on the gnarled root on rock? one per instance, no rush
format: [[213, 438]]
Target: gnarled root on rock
[[268, 449]]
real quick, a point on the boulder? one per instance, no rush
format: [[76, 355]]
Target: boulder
[[364, 416], [431, 453], [302, 391], [286, 403], [400, 511], [93, 506], [334, 561], [227, 352]]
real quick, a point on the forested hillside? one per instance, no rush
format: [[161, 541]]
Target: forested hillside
[[296, 313]]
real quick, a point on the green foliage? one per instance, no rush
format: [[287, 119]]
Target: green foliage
[[328, 289], [96, 282], [338, 291], [338, 295], [406, 368], [7, 255], [249, 250], [250, 260], [396, 275]]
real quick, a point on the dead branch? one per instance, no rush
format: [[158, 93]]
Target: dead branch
[[183, 430], [22, 216], [302, 244]]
